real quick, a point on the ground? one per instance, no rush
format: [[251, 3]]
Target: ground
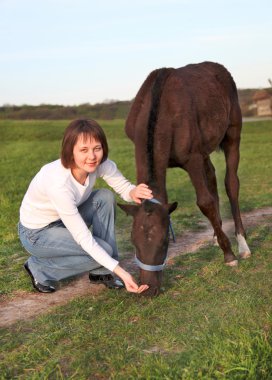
[[24, 305]]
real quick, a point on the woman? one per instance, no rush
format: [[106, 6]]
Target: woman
[[60, 206]]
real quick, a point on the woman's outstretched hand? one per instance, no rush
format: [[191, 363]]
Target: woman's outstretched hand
[[141, 191], [129, 281]]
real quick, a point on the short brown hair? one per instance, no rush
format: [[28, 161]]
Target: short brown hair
[[89, 129]]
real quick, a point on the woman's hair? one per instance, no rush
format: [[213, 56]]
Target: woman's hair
[[90, 129]]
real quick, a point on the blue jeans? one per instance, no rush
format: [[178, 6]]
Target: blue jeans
[[55, 255]]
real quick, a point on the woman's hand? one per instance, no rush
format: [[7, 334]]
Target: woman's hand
[[141, 191], [129, 281]]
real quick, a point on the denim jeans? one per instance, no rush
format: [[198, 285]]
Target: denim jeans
[[55, 255]]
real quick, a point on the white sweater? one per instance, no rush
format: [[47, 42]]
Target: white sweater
[[54, 194]]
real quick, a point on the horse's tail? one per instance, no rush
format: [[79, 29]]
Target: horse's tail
[[156, 92]]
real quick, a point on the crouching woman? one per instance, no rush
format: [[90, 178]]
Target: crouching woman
[[66, 226]]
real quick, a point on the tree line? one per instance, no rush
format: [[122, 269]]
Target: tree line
[[102, 111]]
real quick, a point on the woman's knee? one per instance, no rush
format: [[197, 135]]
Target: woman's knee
[[105, 198]]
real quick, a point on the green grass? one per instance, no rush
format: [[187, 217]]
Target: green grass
[[212, 322]]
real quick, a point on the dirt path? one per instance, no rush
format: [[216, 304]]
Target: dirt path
[[24, 305]]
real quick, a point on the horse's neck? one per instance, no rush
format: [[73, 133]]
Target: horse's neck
[[157, 183], [159, 193], [151, 170]]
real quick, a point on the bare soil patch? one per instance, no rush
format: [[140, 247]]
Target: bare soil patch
[[25, 305]]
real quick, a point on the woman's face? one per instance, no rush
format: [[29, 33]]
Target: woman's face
[[87, 154]]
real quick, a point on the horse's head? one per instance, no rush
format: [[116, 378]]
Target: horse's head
[[150, 235]]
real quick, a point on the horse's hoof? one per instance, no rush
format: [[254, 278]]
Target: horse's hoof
[[233, 263], [245, 255]]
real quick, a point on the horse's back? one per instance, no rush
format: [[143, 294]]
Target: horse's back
[[204, 85], [201, 103], [195, 97]]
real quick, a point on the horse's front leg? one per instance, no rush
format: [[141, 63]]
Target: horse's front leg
[[206, 201]]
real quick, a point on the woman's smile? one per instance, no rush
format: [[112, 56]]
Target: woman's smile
[[91, 164]]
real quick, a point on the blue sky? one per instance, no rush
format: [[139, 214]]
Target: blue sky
[[84, 51]]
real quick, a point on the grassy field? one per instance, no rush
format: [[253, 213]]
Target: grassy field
[[211, 322]]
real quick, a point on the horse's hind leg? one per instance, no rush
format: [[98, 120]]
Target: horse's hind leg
[[212, 185], [207, 203], [230, 146]]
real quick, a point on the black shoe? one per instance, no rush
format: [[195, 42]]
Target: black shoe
[[41, 288], [107, 279]]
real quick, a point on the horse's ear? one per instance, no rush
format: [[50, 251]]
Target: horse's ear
[[171, 207], [129, 209]]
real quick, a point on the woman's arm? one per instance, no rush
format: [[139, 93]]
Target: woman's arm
[[115, 179], [71, 218]]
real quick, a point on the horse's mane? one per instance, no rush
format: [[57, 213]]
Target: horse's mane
[[156, 92]]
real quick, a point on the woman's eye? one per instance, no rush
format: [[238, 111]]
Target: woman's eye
[[97, 149]]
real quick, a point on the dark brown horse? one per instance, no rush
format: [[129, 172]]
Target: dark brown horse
[[178, 118]]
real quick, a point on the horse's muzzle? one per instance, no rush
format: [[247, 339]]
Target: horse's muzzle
[[151, 292], [153, 280]]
